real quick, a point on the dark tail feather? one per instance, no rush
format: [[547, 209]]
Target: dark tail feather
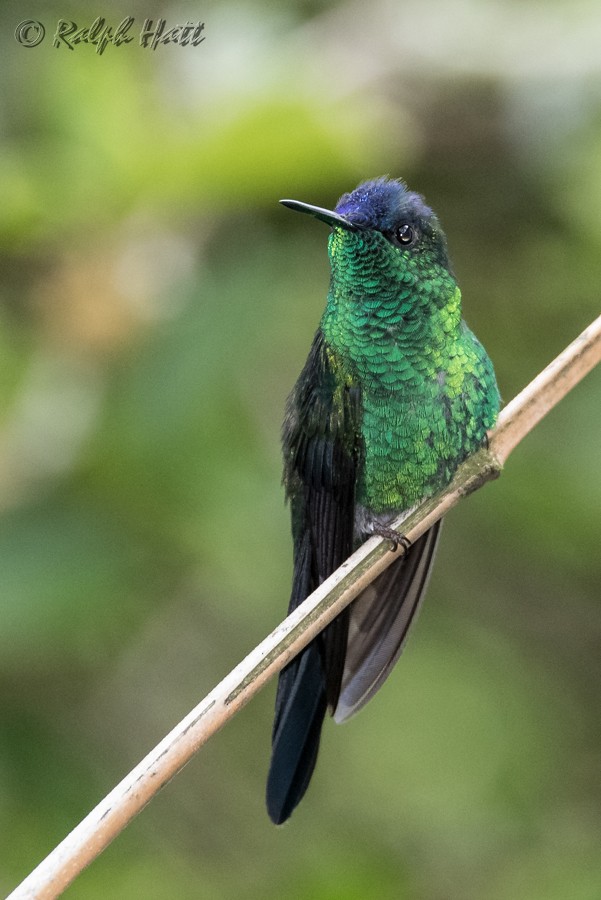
[[379, 621], [300, 709]]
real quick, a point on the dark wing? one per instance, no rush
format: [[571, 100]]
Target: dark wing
[[380, 618], [321, 456]]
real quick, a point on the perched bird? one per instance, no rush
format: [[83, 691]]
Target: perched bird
[[395, 394]]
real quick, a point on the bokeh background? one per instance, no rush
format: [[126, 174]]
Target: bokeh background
[[156, 307]]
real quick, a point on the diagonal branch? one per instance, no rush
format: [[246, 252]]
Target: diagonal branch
[[126, 800]]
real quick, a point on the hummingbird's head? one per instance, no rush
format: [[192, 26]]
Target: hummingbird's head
[[401, 216], [383, 234]]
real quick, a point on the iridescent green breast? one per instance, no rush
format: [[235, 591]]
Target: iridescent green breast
[[428, 391], [416, 434]]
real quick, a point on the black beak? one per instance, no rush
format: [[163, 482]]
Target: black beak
[[324, 215]]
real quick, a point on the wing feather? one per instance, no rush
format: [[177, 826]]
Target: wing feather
[[380, 619], [321, 456]]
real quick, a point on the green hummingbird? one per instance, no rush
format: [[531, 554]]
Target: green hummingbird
[[396, 392]]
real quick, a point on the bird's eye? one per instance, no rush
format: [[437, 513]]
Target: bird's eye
[[404, 234]]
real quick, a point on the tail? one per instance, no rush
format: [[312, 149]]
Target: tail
[[304, 692], [300, 709], [342, 668]]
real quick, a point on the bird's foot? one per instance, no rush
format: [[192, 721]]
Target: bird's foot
[[393, 536]]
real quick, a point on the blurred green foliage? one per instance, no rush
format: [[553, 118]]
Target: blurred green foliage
[[156, 307]]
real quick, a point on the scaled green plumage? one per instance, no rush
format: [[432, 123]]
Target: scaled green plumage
[[393, 327]]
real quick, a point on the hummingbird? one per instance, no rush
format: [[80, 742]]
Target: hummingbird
[[396, 392]]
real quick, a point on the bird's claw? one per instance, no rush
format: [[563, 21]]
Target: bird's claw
[[394, 537]]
